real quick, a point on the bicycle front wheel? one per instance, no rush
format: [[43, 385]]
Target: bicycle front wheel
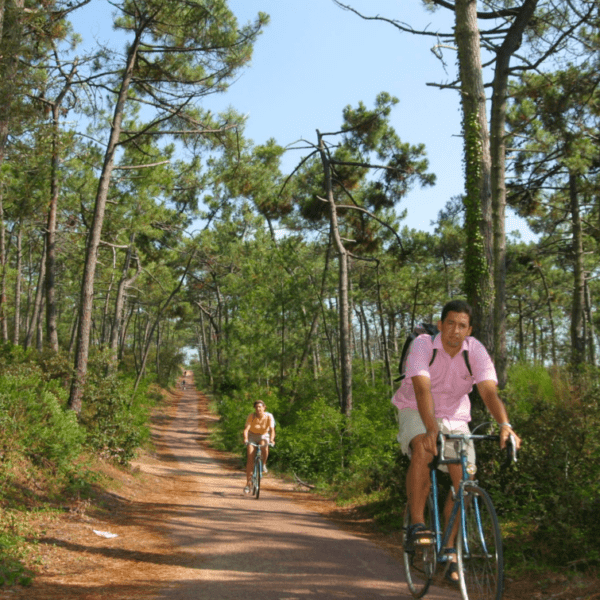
[[479, 548], [419, 562], [256, 477]]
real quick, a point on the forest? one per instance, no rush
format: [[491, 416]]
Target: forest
[[158, 236]]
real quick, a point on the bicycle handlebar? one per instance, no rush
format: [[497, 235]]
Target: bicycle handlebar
[[511, 447]]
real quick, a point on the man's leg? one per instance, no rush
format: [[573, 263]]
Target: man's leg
[[417, 479], [456, 475]]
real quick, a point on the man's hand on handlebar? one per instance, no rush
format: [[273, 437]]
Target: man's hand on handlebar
[[430, 442], [506, 433]]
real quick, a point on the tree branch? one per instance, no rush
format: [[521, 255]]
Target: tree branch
[[368, 212]]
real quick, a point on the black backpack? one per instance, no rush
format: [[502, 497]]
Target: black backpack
[[431, 330]]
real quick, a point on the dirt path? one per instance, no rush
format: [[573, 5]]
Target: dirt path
[[186, 531]]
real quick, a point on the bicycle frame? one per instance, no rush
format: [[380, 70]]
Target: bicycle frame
[[258, 454], [257, 469], [478, 542], [458, 506]]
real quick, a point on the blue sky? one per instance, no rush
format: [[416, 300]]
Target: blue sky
[[313, 59]]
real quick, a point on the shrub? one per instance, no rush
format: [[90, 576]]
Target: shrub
[[314, 445], [34, 422], [550, 500], [116, 419], [12, 550]]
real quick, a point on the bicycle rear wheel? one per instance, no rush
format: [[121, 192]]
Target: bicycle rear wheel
[[479, 549], [256, 477], [419, 562]]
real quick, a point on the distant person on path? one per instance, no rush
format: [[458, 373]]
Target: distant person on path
[[433, 397], [259, 429]]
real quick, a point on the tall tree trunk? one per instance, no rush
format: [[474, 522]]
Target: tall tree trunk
[[510, 45], [521, 332], [578, 306], [361, 334], [384, 342], [534, 340], [3, 261], [51, 309], [17, 329], [37, 303], [590, 343], [40, 332], [283, 349], [479, 258], [106, 324], [344, 312], [368, 343], [124, 283], [550, 318], [51, 312], [158, 344], [89, 272], [124, 329], [73, 336], [205, 355], [31, 276]]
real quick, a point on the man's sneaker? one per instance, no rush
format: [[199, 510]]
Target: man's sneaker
[[247, 489], [265, 470]]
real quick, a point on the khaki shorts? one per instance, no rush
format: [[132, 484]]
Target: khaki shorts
[[256, 438], [411, 425]]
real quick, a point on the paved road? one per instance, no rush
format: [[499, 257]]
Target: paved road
[[270, 549]]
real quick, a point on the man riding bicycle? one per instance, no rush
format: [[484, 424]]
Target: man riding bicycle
[[433, 397], [259, 429]]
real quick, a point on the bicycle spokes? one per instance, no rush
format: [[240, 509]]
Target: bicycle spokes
[[480, 549], [419, 559]]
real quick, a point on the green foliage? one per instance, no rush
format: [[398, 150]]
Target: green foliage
[[13, 535], [549, 502], [314, 444], [40, 441], [527, 384], [35, 422], [115, 418]]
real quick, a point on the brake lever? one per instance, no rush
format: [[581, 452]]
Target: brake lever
[[511, 452]]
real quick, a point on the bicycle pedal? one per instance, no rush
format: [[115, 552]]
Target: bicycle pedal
[[424, 541]]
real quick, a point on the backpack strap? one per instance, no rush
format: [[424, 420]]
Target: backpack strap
[[409, 341], [433, 356], [434, 350], [466, 357]]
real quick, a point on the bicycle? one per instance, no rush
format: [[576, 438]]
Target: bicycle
[[478, 543], [257, 470]]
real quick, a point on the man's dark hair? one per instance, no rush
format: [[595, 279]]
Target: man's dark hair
[[459, 306]]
